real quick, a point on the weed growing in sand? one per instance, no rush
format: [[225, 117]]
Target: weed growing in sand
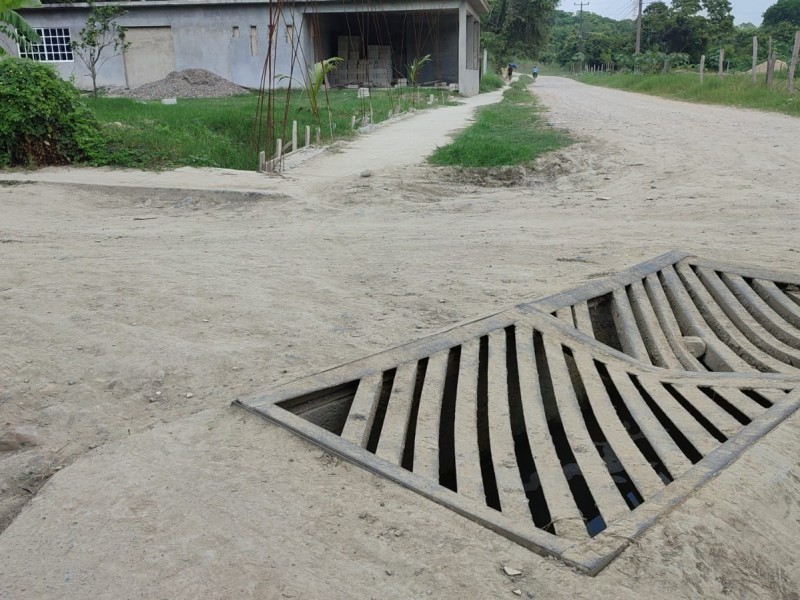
[[509, 133]]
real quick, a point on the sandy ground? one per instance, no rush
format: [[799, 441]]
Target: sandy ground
[[132, 316]]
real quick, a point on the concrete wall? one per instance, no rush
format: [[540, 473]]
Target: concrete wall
[[204, 36], [469, 74]]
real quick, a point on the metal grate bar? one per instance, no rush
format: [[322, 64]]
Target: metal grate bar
[[725, 329], [663, 444], [719, 356], [761, 311], [583, 320], [565, 315], [779, 301], [594, 470], [738, 400], [718, 417], [644, 477], [465, 437], [513, 500], [744, 321], [426, 441], [654, 338], [669, 323], [362, 411], [564, 512], [697, 435], [627, 327], [393, 435]]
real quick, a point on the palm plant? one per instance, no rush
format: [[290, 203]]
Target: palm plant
[[315, 81], [14, 26]]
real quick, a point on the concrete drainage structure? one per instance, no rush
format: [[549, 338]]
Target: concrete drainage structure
[[570, 424]]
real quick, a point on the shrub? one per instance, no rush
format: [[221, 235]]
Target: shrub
[[42, 118], [490, 81]]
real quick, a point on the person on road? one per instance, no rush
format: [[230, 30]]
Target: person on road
[[535, 72], [510, 71]]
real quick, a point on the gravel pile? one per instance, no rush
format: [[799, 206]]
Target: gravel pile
[[191, 83]]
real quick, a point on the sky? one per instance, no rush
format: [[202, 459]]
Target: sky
[[744, 11]]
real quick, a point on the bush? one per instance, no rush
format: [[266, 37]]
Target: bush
[[42, 118], [490, 81]]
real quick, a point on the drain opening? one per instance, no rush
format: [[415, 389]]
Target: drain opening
[[676, 434], [725, 405], [577, 484], [603, 325], [630, 425], [447, 446], [616, 469], [411, 429], [327, 408], [757, 398], [484, 448], [698, 416], [380, 411], [522, 449]]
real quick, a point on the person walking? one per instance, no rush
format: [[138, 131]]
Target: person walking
[[535, 72]]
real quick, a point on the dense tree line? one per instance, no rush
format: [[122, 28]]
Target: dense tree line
[[675, 34]]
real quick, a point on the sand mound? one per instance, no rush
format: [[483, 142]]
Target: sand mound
[[190, 83], [762, 68]]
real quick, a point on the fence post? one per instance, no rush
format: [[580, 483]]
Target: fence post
[[262, 162], [294, 136], [702, 67], [755, 59], [770, 64], [721, 63], [793, 65], [308, 135]]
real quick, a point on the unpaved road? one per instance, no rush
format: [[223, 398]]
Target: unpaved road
[[132, 317]]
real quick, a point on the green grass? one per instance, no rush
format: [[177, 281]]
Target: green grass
[[511, 132], [490, 82], [220, 132], [733, 90]]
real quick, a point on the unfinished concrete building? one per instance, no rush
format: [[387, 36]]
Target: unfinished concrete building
[[232, 39]]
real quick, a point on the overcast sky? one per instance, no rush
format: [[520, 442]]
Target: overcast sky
[[744, 11]]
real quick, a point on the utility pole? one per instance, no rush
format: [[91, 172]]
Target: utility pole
[[580, 34], [639, 29], [581, 45]]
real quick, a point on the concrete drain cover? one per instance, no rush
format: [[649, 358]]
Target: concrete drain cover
[[570, 424]]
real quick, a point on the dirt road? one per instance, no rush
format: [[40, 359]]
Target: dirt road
[[131, 317]]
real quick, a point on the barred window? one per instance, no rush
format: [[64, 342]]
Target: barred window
[[54, 46]]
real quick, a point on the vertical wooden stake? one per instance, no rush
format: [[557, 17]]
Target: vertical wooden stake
[[793, 65], [721, 69], [702, 67], [755, 59], [308, 135], [770, 64], [294, 135]]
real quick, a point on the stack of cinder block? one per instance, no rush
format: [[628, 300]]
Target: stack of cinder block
[[375, 70]]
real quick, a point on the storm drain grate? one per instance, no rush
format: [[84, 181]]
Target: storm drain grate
[[564, 423]]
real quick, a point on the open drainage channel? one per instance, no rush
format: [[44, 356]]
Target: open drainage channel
[[552, 423]]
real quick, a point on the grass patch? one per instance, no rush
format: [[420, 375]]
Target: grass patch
[[490, 82], [732, 90], [511, 132], [220, 132]]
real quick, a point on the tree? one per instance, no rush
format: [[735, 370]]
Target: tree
[[720, 20], [101, 39], [783, 11], [14, 26], [518, 28]]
